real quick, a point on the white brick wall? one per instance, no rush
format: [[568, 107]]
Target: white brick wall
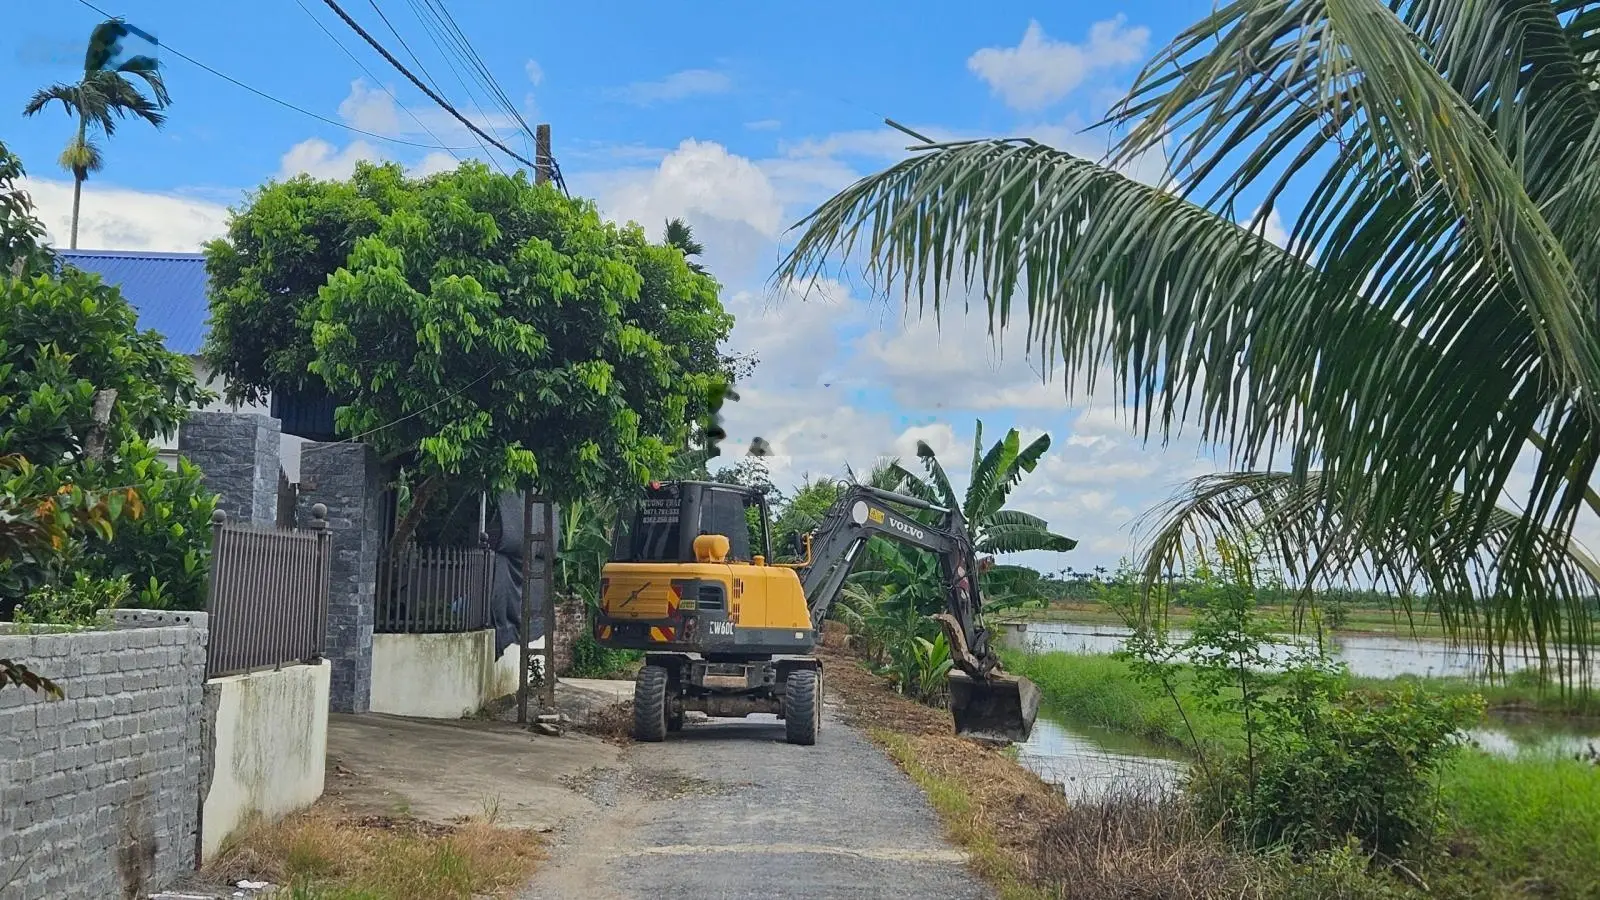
[[99, 792]]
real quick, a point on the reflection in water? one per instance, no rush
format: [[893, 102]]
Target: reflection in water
[[1375, 656], [1085, 762]]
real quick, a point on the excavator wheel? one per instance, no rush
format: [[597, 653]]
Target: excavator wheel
[[650, 704], [802, 706]]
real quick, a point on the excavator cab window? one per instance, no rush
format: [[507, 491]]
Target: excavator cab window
[[661, 525]]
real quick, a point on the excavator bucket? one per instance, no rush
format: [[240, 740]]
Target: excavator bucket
[[998, 708]]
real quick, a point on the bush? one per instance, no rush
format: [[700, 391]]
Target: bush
[[77, 603], [590, 660], [1319, 764]]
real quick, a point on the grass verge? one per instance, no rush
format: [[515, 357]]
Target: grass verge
[[321, 855]]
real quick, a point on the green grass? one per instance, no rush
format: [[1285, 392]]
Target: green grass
[[1524, 826], [1526, 818], [1092, 689]]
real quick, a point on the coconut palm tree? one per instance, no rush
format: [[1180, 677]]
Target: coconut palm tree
[[1428, 327], [101, 97]]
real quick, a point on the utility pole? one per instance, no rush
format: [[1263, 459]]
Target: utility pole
[[542, 160], [525, 626], [550, 548]]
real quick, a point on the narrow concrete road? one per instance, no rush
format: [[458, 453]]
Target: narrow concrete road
[[727, 809]]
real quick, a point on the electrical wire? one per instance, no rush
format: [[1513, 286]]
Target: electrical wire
[[376, 80], [417, 61], [284, 103], [432, 95]]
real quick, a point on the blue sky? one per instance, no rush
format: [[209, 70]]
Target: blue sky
[[738, 117]]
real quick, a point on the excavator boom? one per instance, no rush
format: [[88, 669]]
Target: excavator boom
[[986, 702]]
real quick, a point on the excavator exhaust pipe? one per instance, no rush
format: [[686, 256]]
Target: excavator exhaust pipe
[[999, 708]]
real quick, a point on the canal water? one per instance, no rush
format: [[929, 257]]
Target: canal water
[[1085, 761]]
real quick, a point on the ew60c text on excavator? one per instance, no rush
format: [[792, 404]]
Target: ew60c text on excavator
[[727, 633]]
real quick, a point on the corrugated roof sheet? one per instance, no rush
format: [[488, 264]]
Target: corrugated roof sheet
[[167, 289]]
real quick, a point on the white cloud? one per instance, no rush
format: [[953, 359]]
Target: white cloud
[[320, 159], [112, 218], [698, 178], [1040, 71], [677, 86], [370, 109], [1272, 229], [535, 72]]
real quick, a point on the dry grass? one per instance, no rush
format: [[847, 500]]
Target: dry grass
[[1022, 834], [324, 855], [613, 723], [1136, 845]]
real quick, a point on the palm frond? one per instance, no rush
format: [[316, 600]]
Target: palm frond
[[1543, 605], [1434, 313], [149, 69], [68, 95]]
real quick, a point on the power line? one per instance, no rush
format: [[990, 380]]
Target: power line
[[432, 95], [376, 80], [284, 103]]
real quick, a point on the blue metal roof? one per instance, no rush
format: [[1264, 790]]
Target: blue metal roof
[[167, 289]]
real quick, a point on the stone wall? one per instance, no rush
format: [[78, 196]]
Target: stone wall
[[348, 478], [99, 792], [572, 619], [237, 454]]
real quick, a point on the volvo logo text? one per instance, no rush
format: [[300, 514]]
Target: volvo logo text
[[905, 528]]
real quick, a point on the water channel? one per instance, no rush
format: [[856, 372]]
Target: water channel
[[1087, 761]]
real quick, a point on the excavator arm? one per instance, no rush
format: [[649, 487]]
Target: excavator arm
[[986, 702]]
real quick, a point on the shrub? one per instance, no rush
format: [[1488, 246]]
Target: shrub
[[76, 603], [590, 660], [1319, 763]]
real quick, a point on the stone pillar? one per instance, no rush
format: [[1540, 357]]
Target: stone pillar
[[237, 453], [348, 479]]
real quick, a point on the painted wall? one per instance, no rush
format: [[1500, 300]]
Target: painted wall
[[440, 676], [269, 747]]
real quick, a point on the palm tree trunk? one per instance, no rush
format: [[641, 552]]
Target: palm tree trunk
[[78, 174], [77, 197]]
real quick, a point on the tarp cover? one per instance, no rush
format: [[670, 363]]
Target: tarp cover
[[505, 538]]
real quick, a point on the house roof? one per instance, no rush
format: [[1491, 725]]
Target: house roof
[[167, 289]]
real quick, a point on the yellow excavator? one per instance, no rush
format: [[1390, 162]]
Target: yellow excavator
[[728, 633]]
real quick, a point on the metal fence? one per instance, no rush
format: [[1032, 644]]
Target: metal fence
[[268, 604], [433, 589]]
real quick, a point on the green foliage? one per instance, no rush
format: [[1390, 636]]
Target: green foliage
[[801, 514], [590, 660], [995, 472], [1320, 764], [1436, 153], [898, 641], [78, 602], [21, 234], [82, 393], [473, 325]]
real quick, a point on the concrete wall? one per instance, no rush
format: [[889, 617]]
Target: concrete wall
[[99, 792], [269, 743], [440, 676]]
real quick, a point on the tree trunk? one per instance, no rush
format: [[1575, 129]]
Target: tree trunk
[[407, 526], [77, 197], [79, 173]]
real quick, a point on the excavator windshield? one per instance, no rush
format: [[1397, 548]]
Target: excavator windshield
[[662, 523]]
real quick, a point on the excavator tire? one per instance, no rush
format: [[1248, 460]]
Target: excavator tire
[[802, 706], [650, 704]]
